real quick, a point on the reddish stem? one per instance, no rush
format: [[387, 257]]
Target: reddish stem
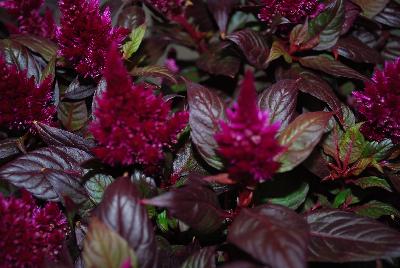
[[191, 30]]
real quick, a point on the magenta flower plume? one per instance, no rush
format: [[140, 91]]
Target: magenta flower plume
[[133, 125], [294, 10], [247, 140], [379, 104], [29, 234], [21, 100], [168, 7], [29, 18], [85, 35]]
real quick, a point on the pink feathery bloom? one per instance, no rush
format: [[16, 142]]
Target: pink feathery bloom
[[22, 101], [247, 141], [85, 36], [379, 104], [30, 234], [295, 11], [168, 7], [132, 125], [29, 18]]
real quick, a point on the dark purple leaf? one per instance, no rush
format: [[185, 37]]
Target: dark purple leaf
[[9, 148], [14, 53], [390, 15], [122, 211], [280, 101], [242, 264], [77, 91], [330, 66], [355, 50], [43, 46], [206, 110], [131, 17], [317, 87], [204, 258], [391, 50], [195, 205], [49, 173], [221, 10], [215, 61], [253, 46], [301, 137], [57, 137], [351, 12], [338, 236], [272, 234]]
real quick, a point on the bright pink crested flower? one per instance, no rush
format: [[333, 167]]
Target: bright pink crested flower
[[85, 35], [293, 10], [29, 18], [379, 104], [247, 140], [29, 234], [21, 100], [133, 125], [168, 7]]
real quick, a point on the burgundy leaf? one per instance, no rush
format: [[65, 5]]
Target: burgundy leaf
[[58, 137], [351, 12], [352, 48], [221, 10], [317, 87], [273, 234], [131, 17], [77, 91], [242, 264], [215, 61], [43, 46], [253, 46], [9, 148], [121, 210], [330, 66], [49, 173], [204, 258], [195, 205], [390, 15], [206, 110], [280, 100], [338, 236]]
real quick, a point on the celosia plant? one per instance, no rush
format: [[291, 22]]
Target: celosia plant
[[21, 100], [379, 102], [30, 234], [145, 125], [295, 11], [247, 141], [142, 127], [29, 19], [85, 34]]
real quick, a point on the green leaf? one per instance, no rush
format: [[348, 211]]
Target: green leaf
[[294, 200], [96, 186], [328, 25], [162, 221], [371, 8], [301, 137], [104, 248], [341, 198], [354, 139], [372, 181], [376, 209], [73, 115], [136, 36], [377, 150], [278, 50]]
